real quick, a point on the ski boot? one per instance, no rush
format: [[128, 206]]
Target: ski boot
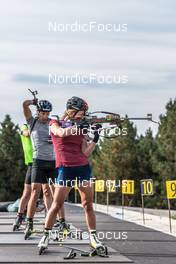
[[43, 244], [57, 224], [63, 228], [18, 221], [29, 229], [98, 248]]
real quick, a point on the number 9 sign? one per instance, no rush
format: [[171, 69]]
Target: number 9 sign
[[171, 189]]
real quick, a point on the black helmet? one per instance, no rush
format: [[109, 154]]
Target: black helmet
[[77, 104], [44, 106]]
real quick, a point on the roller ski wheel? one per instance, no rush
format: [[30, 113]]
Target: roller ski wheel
[[100, 251], [71, 255], [27, 234], [15, 227], [18, 222], [28, 231], [42, 250]]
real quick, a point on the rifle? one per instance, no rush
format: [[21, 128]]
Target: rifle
[[34, 93], [110, 120]]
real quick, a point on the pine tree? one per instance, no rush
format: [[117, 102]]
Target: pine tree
[[12, 169], [147, 150], [165, 158], [116, 160]]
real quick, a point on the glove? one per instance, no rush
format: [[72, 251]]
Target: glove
[[97, 126], [34, 101], [96, 137]]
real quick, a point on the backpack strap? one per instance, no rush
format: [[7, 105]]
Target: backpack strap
[[33, 124]]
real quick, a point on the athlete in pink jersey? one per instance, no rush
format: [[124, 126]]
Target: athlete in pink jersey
[[67, 149], [72, 151]]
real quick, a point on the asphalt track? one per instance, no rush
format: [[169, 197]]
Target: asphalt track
[[131, 243]]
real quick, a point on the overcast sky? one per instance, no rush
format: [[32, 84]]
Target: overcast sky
[[146, 53]]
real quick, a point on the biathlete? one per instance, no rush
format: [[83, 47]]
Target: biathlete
[[28, 152], [43, 166], [72, 151]]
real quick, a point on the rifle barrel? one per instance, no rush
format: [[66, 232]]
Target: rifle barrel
[[139, 118]]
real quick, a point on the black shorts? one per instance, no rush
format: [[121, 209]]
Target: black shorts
[[43, 171], [28, 174], [66, 176]]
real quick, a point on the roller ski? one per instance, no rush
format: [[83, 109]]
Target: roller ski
[[29, 230], [43, 244], [74, 251], [97, 247], [18, 222]]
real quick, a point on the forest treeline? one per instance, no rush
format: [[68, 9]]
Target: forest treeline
[[132, 157]]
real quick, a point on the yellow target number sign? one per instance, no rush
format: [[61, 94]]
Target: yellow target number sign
[[171, 189], [127, 187], [111, 186], [147, 187], [99, 186]]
